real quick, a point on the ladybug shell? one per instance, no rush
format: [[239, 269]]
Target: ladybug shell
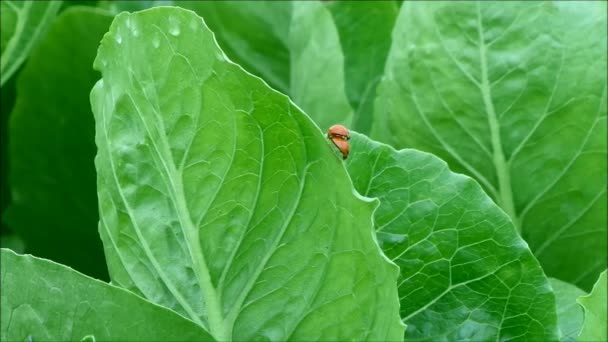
[[338, 131], [342, 145]]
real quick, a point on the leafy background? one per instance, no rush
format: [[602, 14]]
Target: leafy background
[[510, 94]]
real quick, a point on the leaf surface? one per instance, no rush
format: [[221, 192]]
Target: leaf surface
[[222, 201], [52, 145], [253, 34], [569, 312], [364, 28], [22, 24], [514, 95], [465, 272], [595, 324], [45, 301], [317, 81], [293, 45]]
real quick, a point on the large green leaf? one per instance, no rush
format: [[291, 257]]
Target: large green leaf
[[569, 312], [52, 145], [293, 45], [595, 325], [45, 301], [22, 24], [221, 200], [364, 29], [514, 95], [465, 272]]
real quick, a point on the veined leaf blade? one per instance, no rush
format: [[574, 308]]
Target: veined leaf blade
[[46, 301], [221, 200], [465, 272], [514, 95]]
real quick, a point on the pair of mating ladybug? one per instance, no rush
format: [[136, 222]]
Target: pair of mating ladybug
[[338, 134]]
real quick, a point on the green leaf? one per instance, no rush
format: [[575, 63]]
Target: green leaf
[[317, 65], [117, 6], [52, 145], [294, 46], [465, 272], [253, 34], [220, 200], [23, 23], [595, 323], [569, 313], [514, 95], [45, 301], [364, 29]]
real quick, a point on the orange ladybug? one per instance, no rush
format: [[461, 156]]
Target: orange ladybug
[[339, 135]]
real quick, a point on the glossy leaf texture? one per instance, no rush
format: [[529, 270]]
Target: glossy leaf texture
[[364, 28], [569, 312], [465, 272], [293, 45], [52, 146], [22, 24], [222, 201], [514, 95], [45, 301], [595, 324]]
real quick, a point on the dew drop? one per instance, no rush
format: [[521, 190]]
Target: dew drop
[[174, 30], [134, 27], [118, 38], [155, 42]]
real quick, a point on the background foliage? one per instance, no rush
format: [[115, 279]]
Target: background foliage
[[510, 94]]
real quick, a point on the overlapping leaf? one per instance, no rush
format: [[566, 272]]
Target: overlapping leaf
[[514, 95], [221, 200], [294, 45], [595, 324], [569, 312], [254, 34], [23, 22], [52, 145], [45, 301], [364, 28], [465, 272]]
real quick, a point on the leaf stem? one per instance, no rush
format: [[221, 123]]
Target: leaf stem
[[505, 193]]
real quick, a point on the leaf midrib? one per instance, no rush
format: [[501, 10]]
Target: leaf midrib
[[214, 316], [505, 191], [144, 243]]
